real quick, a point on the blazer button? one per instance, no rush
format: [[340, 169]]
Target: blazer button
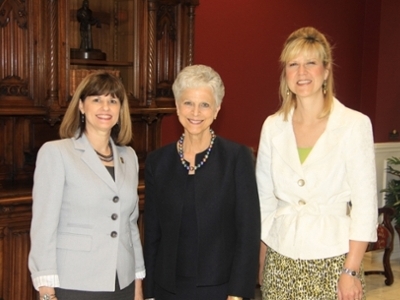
[[115, 199], [114, 234], [301, 182], [114, 216], [302, 202]]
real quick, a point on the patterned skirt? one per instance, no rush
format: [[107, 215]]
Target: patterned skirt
[[286, 279]]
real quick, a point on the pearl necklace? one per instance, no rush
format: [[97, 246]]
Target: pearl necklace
[[203, 161]]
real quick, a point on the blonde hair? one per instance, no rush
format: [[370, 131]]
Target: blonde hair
[[99, 83], [310, 41], [199, 76]]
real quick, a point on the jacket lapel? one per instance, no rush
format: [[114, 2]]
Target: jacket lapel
[[329, 139], [119, 164], [285, 145], [93, 162]]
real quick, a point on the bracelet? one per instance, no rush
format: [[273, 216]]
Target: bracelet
[[350, 272], [47, 297]]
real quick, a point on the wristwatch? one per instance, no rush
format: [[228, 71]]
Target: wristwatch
[[47, 297], [350, 272]]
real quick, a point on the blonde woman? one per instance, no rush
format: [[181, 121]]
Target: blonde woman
[[316, 180]]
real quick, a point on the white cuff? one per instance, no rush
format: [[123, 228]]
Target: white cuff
[[48, 280], [140, 275]]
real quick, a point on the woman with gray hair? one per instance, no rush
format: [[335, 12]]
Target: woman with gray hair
[[202, 217]]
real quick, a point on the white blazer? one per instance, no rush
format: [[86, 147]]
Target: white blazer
[[304, 207], [84, 225]]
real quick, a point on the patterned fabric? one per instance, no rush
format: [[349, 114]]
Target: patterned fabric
[[384, 239], [288, 279]]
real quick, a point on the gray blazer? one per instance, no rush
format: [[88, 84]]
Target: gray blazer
[[84, 225]]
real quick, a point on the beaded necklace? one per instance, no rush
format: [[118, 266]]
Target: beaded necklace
[[106, 158], [203, 161]]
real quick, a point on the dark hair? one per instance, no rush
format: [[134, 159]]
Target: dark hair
[[98, 83]]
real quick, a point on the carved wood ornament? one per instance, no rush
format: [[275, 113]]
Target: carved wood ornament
[[148, 41]]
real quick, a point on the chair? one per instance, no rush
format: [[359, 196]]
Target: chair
[[384, 242]]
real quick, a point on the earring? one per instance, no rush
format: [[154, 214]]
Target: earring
[[83, 118], [324, 87], [288, 92]]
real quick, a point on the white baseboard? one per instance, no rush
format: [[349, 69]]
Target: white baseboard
[[383, 151]]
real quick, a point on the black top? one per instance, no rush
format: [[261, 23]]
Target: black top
[[187, 247], [111, 170], [227, 218]]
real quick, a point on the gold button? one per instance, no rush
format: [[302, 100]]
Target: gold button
[[302, 202], [301, 182]]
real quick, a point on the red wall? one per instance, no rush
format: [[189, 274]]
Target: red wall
[[242, 40], [387, 108]]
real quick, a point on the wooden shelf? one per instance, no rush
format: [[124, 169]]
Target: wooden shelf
[[88, 62]]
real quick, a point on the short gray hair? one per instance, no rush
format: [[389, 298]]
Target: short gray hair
[[197, 76]]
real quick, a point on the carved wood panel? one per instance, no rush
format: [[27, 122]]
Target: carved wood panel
[[22, 53], [15, 281], [149, 41]]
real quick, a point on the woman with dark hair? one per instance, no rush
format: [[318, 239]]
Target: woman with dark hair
[[85, 240]]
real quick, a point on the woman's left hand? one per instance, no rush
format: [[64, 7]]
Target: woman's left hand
[[349, 288]]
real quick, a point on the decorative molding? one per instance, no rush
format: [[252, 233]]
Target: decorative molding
[[190, 35], [151, 67], [19, 9], [166, 20], [151, 118], [164, 90], [53, 53], [4, 209], [13, 86], [54, 113]]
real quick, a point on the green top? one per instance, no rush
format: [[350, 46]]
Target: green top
[[303, 153]]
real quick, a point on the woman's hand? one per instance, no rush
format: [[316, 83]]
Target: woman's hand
[[234, 298], [138, 290], [43, 290], [263, 252], [349, 288]]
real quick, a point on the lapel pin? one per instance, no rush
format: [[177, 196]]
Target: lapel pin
[[121, 159]]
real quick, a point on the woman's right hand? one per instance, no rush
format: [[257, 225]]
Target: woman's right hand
[[263, 252], [43, 290]]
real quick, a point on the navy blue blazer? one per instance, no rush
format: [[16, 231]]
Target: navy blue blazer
[[228, 218]]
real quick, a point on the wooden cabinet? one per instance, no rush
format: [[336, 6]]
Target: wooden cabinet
[[147, 42]]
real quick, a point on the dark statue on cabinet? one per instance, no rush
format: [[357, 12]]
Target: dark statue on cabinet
[[86, 19]]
